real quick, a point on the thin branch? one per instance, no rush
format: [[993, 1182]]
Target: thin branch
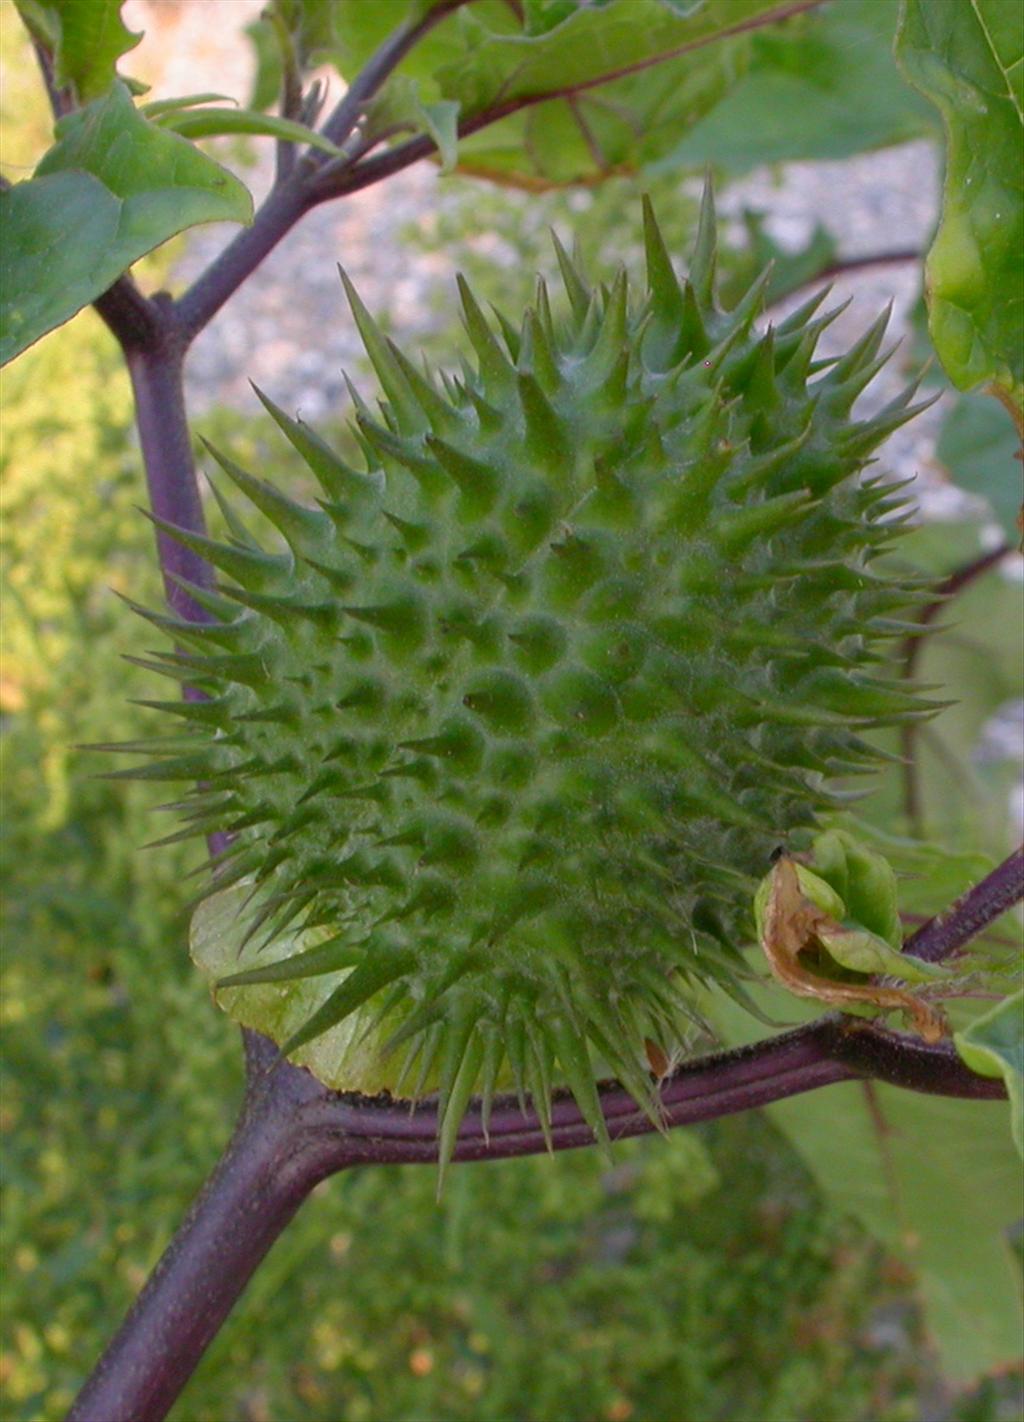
[[292, 194], [334, 181], [316, 180], [61, 100], [387, 58], [948, 932], [844, 266], [910, 654]]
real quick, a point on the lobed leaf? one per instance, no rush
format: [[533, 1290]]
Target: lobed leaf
[[591, 89]]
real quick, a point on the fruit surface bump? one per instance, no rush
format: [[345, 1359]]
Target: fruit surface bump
[[507, 726]]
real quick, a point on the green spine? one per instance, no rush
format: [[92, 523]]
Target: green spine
[[514, 721]]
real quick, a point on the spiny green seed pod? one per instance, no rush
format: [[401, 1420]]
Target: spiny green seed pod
[[507, 730]]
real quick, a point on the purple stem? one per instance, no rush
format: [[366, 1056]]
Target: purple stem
[[948, 932], [255, 1190], [294, 1133], [318, 179], [156, 376]]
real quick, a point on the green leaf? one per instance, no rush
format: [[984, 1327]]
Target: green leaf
[[58, 233], [617, 127], [153, 172], [967, 59], [978, 447], [88, 37], [212, 122], [603, 88], [824, 86], [111, 189], [785, 930], [864, 880], [588, 48], [159, 107], [267, 69], [936, 1180], [993, 1045], [857, 891]]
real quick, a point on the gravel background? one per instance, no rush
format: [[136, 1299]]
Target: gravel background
[[288, 326]]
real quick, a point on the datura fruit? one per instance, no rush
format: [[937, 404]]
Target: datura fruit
[[506, 728]]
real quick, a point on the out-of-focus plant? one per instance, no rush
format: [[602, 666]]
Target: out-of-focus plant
[[766, 514]]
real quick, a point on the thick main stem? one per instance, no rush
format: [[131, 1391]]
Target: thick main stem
[[255, 1190], [156, 370], [294, 1133]]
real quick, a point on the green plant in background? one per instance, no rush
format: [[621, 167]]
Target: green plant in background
[[476, 85], [967, 59]]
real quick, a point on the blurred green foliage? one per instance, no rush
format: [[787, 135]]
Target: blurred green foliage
[[700, 1277]]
